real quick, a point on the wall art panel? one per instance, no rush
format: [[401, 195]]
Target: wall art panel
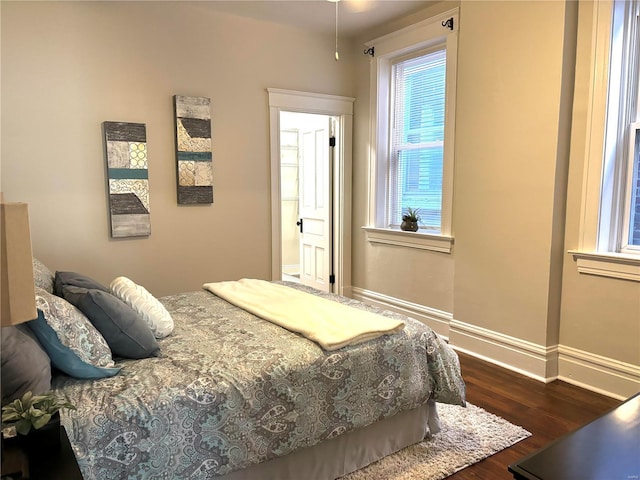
[[193, 149], [127, 172]]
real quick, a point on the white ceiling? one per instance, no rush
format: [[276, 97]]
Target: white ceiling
[[354, 16]]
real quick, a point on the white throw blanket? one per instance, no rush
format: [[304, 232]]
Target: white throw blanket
[[330, 324]]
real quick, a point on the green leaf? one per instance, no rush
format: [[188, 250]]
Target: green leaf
[[35, 412], [26, 398], [10, 416], [40, 399], [41, 421], [23, 426]]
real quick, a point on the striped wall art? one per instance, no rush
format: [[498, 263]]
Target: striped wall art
[[193, 149], [127, 171]]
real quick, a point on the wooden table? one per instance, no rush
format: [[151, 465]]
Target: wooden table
[[606, 449]]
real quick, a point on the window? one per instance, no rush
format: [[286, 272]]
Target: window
[[620, 206], [417, 138], [610, 223], [413, 104]]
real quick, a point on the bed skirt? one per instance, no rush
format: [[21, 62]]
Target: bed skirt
[[348, 452]]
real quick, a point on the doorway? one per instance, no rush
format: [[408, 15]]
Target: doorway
[[307, 143], [337, 187]]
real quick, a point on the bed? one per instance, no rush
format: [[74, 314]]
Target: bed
[[229, 395]]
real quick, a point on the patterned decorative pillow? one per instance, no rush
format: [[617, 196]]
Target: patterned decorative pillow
[[73, 344], [146, 305], [42, 276]]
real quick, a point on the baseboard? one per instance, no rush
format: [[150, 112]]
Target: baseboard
[[557, 362], [436, 319], [527, 358], [597, 373], [584, 369]]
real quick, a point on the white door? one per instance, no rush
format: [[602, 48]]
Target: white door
[[315, 204]]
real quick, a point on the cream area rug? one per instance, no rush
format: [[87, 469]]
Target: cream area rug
[[468, 435]]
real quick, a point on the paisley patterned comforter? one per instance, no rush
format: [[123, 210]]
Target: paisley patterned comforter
[[231, 390]]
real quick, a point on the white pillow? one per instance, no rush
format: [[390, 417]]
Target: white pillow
[[145, 304]]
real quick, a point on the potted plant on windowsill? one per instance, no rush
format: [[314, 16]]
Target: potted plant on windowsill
[[36, 419], [410, 220]]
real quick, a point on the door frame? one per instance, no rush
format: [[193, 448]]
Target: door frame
[[335, 106]]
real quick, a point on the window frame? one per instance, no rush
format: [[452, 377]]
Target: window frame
[[438, 30], [591, 256]]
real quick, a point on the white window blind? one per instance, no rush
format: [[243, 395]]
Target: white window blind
[[417, 138]]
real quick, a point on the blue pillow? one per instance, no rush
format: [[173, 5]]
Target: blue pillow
[[62, 357], [126, 332], [77, 280], [74, 346]]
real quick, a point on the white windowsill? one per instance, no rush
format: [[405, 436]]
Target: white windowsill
[[614, 265], [424, 241]]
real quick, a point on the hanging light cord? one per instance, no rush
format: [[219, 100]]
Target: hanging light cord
[[337, 56]]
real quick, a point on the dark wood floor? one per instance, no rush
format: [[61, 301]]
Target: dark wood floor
[[548, 411]]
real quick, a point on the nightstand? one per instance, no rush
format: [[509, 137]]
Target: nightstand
[[49, 465]]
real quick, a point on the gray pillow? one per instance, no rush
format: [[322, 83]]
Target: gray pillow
[[25, 364], [77, 280], [126, 332]]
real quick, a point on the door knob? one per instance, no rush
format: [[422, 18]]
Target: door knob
[[299, 223]]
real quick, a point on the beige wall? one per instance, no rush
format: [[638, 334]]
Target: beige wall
[[69, 66], [507, 134]]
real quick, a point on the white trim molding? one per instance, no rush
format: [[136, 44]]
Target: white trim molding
[[614, 265], [595, 128], [424, 241], [341, 107], [296, 101], [558, 362], [438, 320], [527, 358], [597, 373]]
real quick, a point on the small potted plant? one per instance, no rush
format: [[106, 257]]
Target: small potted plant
[[410, 220], [36, 418]]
